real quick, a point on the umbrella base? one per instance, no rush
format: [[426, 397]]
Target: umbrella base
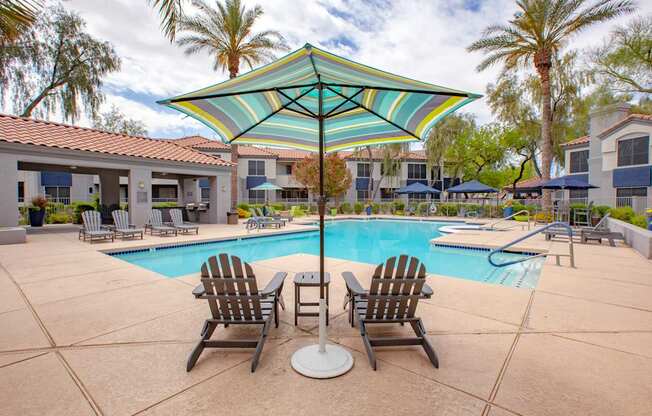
[[333, 362]]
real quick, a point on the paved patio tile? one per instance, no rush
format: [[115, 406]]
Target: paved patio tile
[[552, 313], [633, 342], [80, 318], [14, 357], [497, 411], [125, 379], [20, 331], [40, 272], [10, 298], [601, 290], [468, 362], [40, 386], [86, 284], [275, 389], [549, 375]]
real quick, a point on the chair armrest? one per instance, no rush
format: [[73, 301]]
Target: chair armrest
[[426, 291], [198, 291], [352, 284], [275, 284]]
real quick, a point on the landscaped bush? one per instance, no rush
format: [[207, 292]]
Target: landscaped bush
[[78, 208], [448, 210], [573, 207], [521, 218], [399, 206], [386, 208], [601, 210], [422, 208], [58, 218], [375, 208], [345, 208], [640, 221], [623, 213], [243, 213], [165, 204], [244, 206], [543, 217], [279, 206], [358, 207]]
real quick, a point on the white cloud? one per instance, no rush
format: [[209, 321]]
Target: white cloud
[[422, 39]]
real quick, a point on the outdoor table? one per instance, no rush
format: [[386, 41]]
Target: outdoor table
[[308, 279]]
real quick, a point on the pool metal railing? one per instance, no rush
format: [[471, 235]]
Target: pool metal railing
[[523, 211], [570, 254]]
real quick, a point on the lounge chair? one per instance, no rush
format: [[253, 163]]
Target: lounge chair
[[155, 224], [229, 286], [599, 232], [259, 221], [122, 228], [179, 224], [93, 228], [392, 298]]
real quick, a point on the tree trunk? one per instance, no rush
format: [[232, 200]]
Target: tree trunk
[[543, 63], [27, 112], [233, 72]]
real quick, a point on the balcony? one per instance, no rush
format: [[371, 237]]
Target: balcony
[[287, 181]]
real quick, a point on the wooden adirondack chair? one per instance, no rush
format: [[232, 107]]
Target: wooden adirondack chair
[[392, 298], [229, 286], [93, 228]]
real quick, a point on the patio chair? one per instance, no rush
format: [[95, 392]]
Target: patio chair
[[599, 232], [259, 221], [122, 227], [230, 287], [156, 226], [392, 298], [179, 224], [93, 228]]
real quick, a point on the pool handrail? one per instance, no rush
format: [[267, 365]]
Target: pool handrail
[[523, 211], [528, 235]]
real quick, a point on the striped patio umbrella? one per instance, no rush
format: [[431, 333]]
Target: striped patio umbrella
[[317, 101]]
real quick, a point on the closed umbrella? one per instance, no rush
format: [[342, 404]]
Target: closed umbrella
[[317, 101]]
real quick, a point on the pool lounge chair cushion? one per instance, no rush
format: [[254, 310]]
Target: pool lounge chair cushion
[[229, 285], [396, 288]]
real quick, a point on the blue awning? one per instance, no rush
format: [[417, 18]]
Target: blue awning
[[253, 181], [629, 177], [56, 179]]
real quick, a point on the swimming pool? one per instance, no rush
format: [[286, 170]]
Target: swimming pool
[[367, 241]]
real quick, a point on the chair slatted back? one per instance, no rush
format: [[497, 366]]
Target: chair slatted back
[[156, 218], [602, 224], [121, 219], [92, 220], [259, 212], [177, 216], [231, 289], [396, 288]]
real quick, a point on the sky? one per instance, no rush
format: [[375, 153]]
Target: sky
[[421, 39]]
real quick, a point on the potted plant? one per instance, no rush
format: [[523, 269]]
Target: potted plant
[[37, 211], [367, 208], [648, 213], [508, 209]]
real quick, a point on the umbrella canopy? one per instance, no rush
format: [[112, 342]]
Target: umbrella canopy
[[278, 104], [567, 182], [417, 188], [471, 187], [266, 186], [314, 100]]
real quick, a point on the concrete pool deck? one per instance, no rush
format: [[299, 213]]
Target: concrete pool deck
[[84, 333]]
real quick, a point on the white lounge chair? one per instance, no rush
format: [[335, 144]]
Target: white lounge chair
[[179, 224], [93, 229], [155, 224], [122, 227]]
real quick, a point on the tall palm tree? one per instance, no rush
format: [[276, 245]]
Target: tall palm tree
[[225, 32], [170, 12], [16, 16], [537, 33]]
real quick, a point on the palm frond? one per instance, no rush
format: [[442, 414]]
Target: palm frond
[[170, 12]]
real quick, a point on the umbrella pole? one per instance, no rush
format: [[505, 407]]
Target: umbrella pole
[[322, 360]]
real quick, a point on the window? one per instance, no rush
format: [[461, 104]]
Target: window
[[417, 197], [58, 194], [91, 189], [633, 151], [630, 192], [387, 193], [21, 191], [256, 168], [578, 193], [256, 196], [363, 170], [288, 169], [417, 171], [205, 194], [292, 193], [579, 161], [363, 195]]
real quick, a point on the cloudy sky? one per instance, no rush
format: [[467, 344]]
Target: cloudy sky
[[422, 39]]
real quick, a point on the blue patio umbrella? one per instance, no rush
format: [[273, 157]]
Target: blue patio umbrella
[[567, 182], [471, 187], [417, 188], [314, 100]]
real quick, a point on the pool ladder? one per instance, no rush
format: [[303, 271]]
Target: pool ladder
[[570, 254], [523, 211]]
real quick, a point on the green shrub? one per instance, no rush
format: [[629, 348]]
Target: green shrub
[[640, 221], [399, 205], [448, 210], [375, 208], [623, 213], [601, 210], [243, 206], [278, 206], [422, 208], [243, 213], [398, 212], [358, 207], [573, 207], [78, 208], [58, 218], [521, 218], [386, 207], [345, 208], [165, 205]]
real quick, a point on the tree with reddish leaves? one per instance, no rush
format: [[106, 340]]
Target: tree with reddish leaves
[[337, 176]]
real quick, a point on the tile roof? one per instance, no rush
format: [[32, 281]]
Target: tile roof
[[578, 141], [289, 154], [48, 134], [191, 140], [534, 182], [245, 151], [631, 117]]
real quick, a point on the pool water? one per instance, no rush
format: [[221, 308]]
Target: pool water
[[367, 241]]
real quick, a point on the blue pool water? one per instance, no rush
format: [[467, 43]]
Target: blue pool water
[[368, 241]]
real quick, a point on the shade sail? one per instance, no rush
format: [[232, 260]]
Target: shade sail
[[471, 187], [417, 188], [278, 104], [567, 182], [266, 186]]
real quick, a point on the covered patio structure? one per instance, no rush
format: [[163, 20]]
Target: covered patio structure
[[34, 145]]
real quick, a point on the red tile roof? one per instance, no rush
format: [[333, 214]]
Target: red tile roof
[[191, 140], [631, 117], [48, 134], [252, 151], [289, 154], [579, 140], [527, 183]]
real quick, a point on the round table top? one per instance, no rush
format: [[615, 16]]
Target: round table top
[[310, 278]]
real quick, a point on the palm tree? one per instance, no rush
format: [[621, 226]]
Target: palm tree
[[16, 16], [537, 33], [170, 12], [225, 32]]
